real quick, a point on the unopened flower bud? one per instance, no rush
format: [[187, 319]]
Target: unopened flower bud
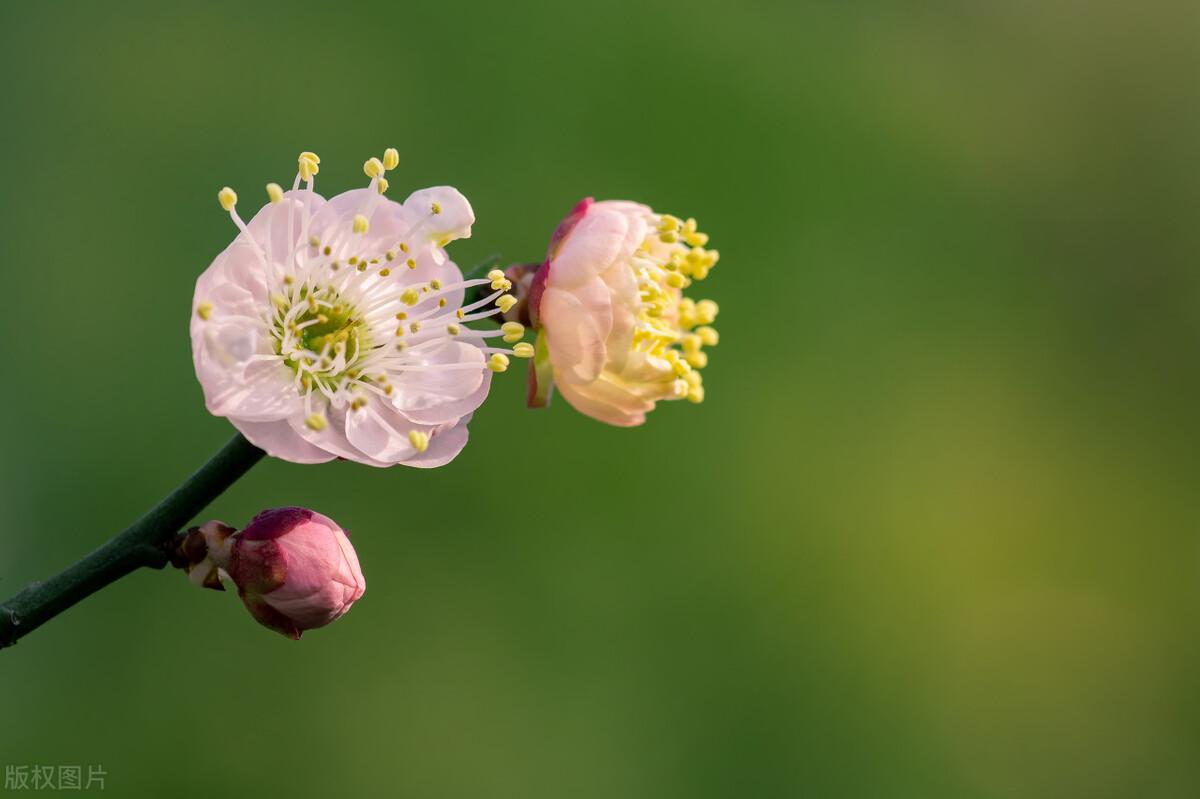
[[295, 569]]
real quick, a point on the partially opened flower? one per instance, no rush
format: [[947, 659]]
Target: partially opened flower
[[294, 569], [337, 328], [615, 331]]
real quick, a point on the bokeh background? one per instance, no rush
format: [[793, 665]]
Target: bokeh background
[[933, 533]]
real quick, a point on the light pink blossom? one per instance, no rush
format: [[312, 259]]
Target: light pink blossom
[[336, 328], [616, 334]]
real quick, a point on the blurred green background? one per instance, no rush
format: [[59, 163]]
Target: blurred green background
[[933, 533]]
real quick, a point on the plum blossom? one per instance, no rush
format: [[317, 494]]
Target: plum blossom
[[337, 328], [615, 331]]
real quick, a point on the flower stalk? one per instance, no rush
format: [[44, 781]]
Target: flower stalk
[[146, 543]]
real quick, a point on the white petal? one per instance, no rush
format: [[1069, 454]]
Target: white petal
[[279, 440], [332, 438], [445, 212], [440, 396], [577, 325], [592, 247]]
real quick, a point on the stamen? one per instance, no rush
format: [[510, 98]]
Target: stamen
[[274, 192], [228, 198], [308, 164], [513, 331], [419, 440]]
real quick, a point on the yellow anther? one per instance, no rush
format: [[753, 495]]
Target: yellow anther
[[693, 378], [357, 402], [384, 272], [360, 224], [680, 387], [227, 197], [275, 192], [691, 342], [668, 237], [697, 359], [681, 367], [498, 362], [353, 260], [402, 316], [708, 335], [523, 350], [453, 329], [676, 280], [315, 422], [204, 310], [668, 223], [410, 263], [442, 302], [403, 247], [436, 208], [410, 296], [414, 327], [513, 331], [706, 312], [499, 281], [288, 280], [307, 163], [400, 330], [391, 158], [383, 185], [435, 284], [460, 313], [696, 394], [390, 255], [419, 440], [373, 167], [696, 239], [505, 302]]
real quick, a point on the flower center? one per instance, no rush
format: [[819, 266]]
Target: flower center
[[321, 337]]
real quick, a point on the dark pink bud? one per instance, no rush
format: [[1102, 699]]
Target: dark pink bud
[[295, 569]]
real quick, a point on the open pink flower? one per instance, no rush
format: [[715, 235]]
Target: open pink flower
[[616, 333], [337, 328], [294, 569]]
